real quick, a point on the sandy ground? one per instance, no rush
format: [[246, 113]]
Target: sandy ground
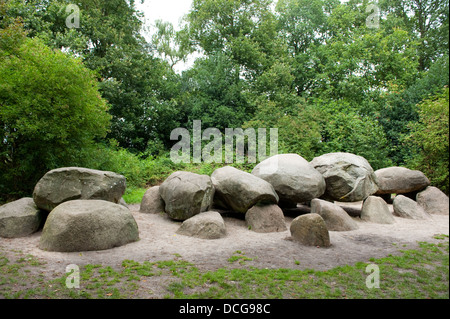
[[159, 241]]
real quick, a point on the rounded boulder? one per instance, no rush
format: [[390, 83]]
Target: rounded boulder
[[335, 217], [85, 225], [310, 230], [348, 177], [240, 190], [400, 180], [19, 218], [294, 179], [186, 194], [206, 225]]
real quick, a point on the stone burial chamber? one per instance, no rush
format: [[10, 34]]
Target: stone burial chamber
[[80, 209]]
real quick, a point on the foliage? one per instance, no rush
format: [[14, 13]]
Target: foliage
[[213, 94], [345, 130], [242, 29], [430, 138], [427, 22], [139, 87], [318, 70], [50, 110], [173, 46], [397, 108]]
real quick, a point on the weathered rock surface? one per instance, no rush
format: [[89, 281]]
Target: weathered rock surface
[[186, 194], [240, 190], [69, 183], [206, 225], [20, 218], [348, 177], [266, 219], [335, 217], [376, 210], [400, 180], [407, 208], [294, 179], [433, 201], [152, 203], [310, 230], [85, 225]]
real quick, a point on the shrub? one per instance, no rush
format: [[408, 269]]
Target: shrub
[[429, 139], [50, 110]]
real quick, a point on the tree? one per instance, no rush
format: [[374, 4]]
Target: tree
[[426, 20], [430, 138], [51, 111], [344, 129], [303, 26], [245, 30], [172, 46], [214, 93], [139, 87], [397, 108]]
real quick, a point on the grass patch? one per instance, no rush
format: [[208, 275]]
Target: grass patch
[[134, 195], [418, 274]]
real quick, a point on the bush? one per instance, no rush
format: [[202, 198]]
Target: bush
[[344, 130], [429, 138], [50, 110]]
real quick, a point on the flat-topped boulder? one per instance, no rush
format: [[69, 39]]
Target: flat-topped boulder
[[348, 177], [186, 194], [240, 190], [400, 180], [69, 183], [294, 179], [20, 218], [86, 225]]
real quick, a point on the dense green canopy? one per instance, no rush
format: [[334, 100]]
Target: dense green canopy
[[351, 76]]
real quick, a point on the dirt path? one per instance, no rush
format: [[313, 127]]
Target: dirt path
[[159, 241]]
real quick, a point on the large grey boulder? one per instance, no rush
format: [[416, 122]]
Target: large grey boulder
[[265, 219], [400, 180], [206, 225], [310, 230], [433, 201], [294, 179], [348, 177], [20, 218], [335, 217], [376, 210], [69, 183], [152, 203], [407, 208], [85, 225], [240, 190], [186, 194]]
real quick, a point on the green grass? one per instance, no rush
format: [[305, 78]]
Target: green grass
[[417, 274], [133, 195]]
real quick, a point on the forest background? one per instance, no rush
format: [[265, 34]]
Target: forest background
[[369, 78]]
